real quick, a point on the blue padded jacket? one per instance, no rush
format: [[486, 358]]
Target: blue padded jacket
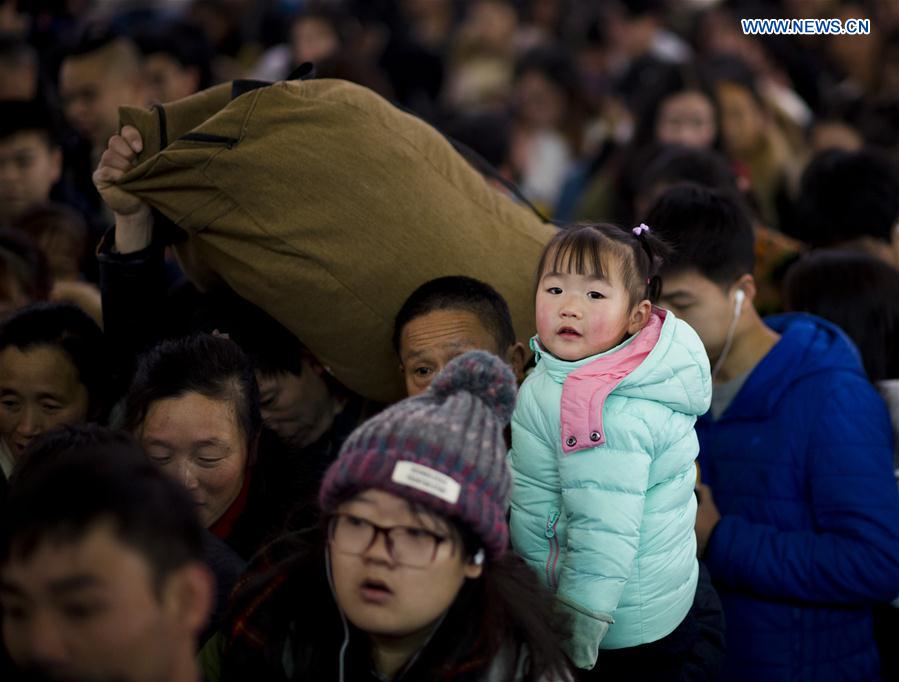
[[800, 465]]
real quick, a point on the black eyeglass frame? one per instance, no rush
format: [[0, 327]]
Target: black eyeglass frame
[[386, 532]]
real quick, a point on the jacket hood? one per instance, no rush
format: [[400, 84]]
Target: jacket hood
[[808, 346], [675, 371]]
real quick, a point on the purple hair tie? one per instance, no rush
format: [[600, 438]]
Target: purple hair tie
[[639, 231]]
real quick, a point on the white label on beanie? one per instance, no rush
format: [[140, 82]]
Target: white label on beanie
[[427, 480]]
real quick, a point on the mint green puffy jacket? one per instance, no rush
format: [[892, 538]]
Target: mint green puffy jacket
[[603, 509]]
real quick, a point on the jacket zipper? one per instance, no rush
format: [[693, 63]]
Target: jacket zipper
[[552, 558], [206, 137]]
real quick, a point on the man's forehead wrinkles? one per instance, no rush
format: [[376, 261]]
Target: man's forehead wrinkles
[[440, 327], [439, 332], [449, 346]]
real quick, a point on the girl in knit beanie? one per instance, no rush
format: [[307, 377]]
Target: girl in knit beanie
[[412, 579]]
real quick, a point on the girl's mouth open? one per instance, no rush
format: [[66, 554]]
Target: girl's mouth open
[[568, 333], [375, 591]]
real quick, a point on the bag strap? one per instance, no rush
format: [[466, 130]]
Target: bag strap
[[304, 72], [484, 167]]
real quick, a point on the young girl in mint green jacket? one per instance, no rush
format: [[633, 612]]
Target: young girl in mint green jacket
[[603, 444]]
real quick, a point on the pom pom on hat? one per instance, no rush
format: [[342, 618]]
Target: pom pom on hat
[[483, 375]]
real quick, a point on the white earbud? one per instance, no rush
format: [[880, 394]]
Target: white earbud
[[739, 297], [478, 558]]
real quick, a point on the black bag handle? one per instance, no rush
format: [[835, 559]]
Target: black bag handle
[[304, 72]]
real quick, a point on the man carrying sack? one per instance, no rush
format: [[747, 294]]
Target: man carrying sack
[[322, 204]]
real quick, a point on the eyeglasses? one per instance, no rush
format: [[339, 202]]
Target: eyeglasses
[[407, 546]]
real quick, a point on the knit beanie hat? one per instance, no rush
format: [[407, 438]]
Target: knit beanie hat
[[443, 449]]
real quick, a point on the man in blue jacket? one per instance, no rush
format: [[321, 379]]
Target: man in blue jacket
[[802, 535]]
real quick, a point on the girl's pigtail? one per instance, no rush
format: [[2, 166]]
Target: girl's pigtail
[[656, 251]]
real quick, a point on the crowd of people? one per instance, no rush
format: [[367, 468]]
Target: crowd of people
[[684, 466]]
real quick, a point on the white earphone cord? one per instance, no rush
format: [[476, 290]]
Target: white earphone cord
[[729, 339], [346, 629]]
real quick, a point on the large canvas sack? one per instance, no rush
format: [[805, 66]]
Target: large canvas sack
[[327, 206]]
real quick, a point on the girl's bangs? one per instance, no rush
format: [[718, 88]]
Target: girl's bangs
[[579, 251]]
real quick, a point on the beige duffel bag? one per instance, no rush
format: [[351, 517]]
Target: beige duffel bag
[[326, 206]]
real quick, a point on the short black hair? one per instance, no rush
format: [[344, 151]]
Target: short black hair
[[556, 64], [844, 196], [70, 479], [183, 41], [23, 262], [212, 366], [676, 163], [108, 43], [732, 69], [635, 9], [92, 37], [458, 292], [270, 346], [16, 51], [859, 293], [71, 330], [53, 217], [487, 133], [27, 117], [708, 229]]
